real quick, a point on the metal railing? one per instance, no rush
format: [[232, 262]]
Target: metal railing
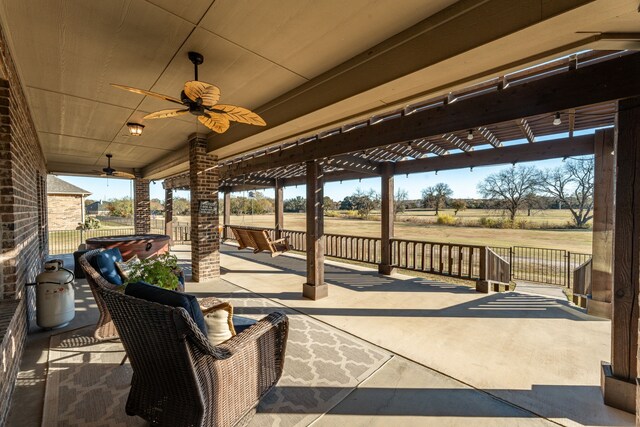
[[67, 241]]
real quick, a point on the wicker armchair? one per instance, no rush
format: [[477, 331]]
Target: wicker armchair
[[179, 379], [105, 329]]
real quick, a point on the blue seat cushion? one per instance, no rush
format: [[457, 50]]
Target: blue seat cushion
[[163, 296], [105, 264], [241, 323]]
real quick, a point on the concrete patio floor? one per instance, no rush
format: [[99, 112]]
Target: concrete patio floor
[[537, 353], [461, 358]]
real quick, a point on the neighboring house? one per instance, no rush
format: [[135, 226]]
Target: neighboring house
[[97, 208], [65, 204]]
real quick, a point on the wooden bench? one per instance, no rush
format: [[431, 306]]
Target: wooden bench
[[259, 241]]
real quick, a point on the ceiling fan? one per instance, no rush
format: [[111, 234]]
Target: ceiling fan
[[201, 100], [109, 171]]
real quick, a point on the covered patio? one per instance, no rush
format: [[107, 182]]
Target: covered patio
[[440, 352], [448, 85]]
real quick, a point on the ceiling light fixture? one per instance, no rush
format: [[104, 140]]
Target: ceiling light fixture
[[470, 135], [557, 120], [135, 129]]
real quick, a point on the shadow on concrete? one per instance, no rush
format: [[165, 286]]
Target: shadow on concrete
[[499, 305]]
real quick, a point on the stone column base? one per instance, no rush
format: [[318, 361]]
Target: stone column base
[[385, 269], [599, 308], [617, 393], [315, 292]]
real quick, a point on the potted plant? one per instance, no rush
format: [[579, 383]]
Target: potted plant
[[161, 270]]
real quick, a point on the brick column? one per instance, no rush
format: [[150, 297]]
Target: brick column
[[141, 206], [168, 212], [205, 239]]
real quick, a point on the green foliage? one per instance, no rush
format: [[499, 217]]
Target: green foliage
[[365, 201], [255, 204], [297, 204], [156, 206], [445, 219], [328, 204], [159, 271], [90, 223], [181, 206], [121, 207]]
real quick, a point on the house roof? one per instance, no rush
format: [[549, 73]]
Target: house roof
[[56, 185]]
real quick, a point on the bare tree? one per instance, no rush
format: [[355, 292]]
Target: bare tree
[[365, 202], [436, 196], [572, 184], [400, 201], [512, 187]]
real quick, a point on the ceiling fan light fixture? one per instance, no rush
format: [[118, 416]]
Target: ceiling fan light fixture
[[135, 129]]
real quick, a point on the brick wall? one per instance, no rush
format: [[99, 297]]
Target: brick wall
[[22, 218], [205, 239], [141, 208], [64, 211]]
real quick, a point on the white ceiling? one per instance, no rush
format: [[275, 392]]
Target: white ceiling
[[276, 56]]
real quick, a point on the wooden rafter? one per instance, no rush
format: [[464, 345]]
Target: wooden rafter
[[523, 124], [488, 136], [458, 142]]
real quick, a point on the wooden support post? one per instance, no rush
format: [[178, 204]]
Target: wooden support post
[[226, 214], [602, 247], [386, 221], [482, 284], [279, 209], [315, 288], [168, 213], [618, 378]]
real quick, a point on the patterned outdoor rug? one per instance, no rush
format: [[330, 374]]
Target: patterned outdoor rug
[[86, 386]]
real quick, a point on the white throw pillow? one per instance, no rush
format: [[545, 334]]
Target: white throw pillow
[[219, 320]]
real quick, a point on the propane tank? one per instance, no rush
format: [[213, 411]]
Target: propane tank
[[55, 296]]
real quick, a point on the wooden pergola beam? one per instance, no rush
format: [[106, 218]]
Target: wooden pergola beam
[[488, 136], [563, 147], [523, 124], [355, 164], [605, 81], [177, 182]]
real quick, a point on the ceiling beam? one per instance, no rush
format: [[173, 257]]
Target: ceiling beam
[[606, 81], [553, 149], [523, 124]]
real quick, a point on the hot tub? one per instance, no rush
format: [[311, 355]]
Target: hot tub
[[143, 245]]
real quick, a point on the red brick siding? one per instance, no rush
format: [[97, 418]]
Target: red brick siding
[[22, 218]]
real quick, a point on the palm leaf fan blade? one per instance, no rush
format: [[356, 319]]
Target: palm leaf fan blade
[[214, 121], [147, 92], [241, 115], [162, 114], [209, 93]]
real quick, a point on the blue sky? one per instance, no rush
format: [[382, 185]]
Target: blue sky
[[463, 182]]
